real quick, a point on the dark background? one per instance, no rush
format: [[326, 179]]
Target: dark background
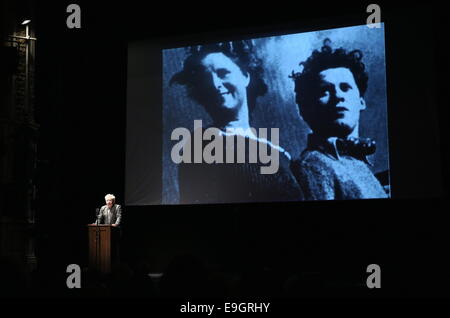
[[81, 107]]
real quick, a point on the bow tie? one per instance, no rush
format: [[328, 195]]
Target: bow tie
[[356, 147]]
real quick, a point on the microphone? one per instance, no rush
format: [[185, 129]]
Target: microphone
[[97, 212]]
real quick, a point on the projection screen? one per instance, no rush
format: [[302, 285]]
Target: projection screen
[[293, 117]]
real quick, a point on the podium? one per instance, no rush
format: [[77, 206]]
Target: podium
[[103, 247]]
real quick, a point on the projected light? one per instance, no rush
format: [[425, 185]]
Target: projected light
[[231, 130]]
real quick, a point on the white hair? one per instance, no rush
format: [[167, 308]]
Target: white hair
[[110, 196]]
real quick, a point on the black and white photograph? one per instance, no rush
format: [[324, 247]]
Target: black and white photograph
[[325, 93]]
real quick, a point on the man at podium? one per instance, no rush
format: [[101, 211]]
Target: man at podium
[[111, 213], [104, 242]]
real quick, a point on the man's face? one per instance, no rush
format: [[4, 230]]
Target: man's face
[[109, 202], [338, 102], [223, 84]]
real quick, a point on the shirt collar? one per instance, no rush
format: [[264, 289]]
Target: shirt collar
[[336, 147], [246, 133]]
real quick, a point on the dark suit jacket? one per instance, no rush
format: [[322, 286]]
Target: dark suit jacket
[[116, 217]]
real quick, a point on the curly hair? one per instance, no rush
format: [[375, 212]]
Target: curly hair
[[324, 59], [240, 52]]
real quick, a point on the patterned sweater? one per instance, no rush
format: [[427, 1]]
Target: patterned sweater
[[324, 172], [238, 182]]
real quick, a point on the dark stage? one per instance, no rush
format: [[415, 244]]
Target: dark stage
[[62, 164]]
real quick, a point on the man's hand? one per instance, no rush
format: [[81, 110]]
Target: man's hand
[[114, 225]]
